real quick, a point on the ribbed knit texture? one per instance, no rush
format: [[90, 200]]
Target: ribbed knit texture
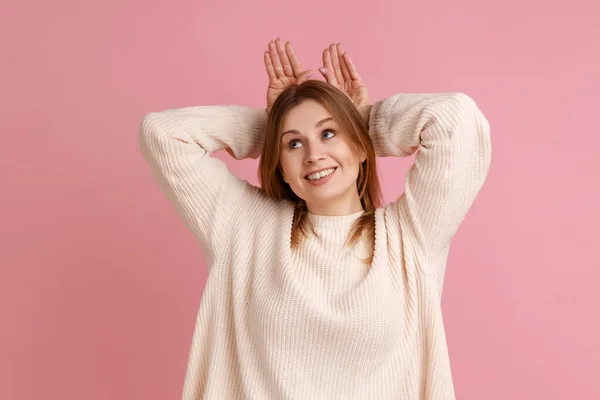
[[316, 322]]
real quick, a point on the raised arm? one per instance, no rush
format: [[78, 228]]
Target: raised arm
[[451, 138], [454, 152], [177, 144]]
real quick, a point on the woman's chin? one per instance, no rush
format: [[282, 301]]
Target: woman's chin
[[322, 195]]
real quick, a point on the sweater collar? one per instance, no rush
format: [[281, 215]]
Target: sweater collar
[[334, 222]]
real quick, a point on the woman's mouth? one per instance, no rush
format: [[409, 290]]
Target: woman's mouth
[[320, 178]]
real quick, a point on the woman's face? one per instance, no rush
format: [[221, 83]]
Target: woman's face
[[317, 161]]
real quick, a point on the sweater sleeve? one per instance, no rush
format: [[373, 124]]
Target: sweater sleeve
[[454, 153], [177, 144]]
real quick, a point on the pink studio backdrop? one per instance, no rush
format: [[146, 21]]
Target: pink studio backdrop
[[100, 280]]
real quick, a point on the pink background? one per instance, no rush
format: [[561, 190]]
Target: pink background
[[100, 280]]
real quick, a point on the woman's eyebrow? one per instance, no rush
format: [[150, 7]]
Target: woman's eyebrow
[[321, 122]]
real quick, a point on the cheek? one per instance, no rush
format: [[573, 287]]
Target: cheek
[[347, 157], [288, 165]]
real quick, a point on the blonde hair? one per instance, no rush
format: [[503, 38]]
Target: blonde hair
[[356, 132]]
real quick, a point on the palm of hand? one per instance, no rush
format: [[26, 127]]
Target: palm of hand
[[357, 92], [277, 86], [283, 68], [340, 72]]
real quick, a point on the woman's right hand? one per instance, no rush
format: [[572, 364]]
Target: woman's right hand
[[283, 68]]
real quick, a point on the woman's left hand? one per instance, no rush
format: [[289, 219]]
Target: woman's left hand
[[340, 72]]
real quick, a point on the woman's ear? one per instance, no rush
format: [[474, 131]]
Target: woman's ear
[[282, 175], [362, 157]]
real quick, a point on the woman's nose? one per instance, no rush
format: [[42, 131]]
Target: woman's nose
[[314, 153]]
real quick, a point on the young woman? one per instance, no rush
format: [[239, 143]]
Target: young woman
[[316, 289]]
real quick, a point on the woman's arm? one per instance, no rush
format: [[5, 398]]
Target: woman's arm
[[452, 137], [177, 144], [453, 140]]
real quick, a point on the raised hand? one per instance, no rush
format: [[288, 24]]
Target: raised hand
[[340, 72], [283, 69]]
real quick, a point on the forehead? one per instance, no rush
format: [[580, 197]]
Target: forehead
[[304, 116]]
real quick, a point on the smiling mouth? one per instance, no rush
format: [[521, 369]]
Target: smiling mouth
[[320, 175]]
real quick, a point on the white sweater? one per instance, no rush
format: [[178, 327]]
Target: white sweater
[[316, 322]]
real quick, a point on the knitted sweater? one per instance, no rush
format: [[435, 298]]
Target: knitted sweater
[[316, 322]]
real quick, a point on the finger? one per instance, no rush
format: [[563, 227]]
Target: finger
[[283, 57], [329, 77], [335, 60], [294, 61], [275, 59], [345, 71], [351, 68], [327, 59], [327, 68], [304, 76], [269, 66]]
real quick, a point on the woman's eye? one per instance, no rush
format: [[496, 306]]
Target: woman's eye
[[328, 133]]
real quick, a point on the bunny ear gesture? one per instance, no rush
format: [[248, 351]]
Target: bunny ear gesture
[[283, 69], [339, 71]]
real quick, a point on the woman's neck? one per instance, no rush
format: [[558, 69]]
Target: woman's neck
[[345, 206]]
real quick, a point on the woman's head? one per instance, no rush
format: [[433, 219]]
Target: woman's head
[[315, 127], [317, 150]]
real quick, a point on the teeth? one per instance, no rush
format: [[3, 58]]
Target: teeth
[[321, 174]]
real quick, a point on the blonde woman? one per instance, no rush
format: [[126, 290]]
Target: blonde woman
[[316, 289]]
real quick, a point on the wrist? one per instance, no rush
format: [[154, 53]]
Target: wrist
[[365, 112]]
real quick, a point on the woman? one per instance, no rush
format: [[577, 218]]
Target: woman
[[316, 290]]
